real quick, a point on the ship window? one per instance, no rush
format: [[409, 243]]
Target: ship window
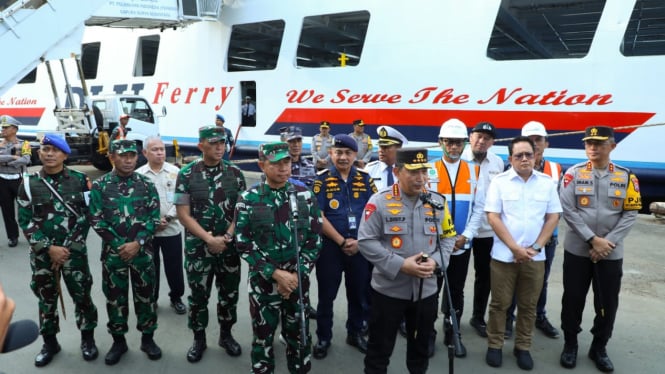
[[645, 34], [255, 46], [332, 40], [31, 77], [528, 30], [90, 59], [146, 56]]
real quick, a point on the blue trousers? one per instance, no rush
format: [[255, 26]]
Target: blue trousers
[[332, 262]]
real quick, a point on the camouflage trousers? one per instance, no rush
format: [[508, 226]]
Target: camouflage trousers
[[78, 280], [116, 275], [267, 308], [202, 268]]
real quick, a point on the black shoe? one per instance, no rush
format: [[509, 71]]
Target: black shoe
[[568, 356], [46, 355], [546, 327], [494, 357], [311, 312], [151, 349], [358, 341], [524, 360], [402, 328], [179, 307], [14, 243], [508, 333], [600, 358], [479, 325], [321, 349], [227, 342], [115, 353], [89, 349], [195, 352]]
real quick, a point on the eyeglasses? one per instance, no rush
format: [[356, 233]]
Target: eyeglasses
[[519, 156], [451, 142]]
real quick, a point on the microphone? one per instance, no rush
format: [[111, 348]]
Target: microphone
[[293, 201], [20, 334], [426, 198]]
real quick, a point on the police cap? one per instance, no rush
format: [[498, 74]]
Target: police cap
[[598, 133], [413, 158], [9, 121]]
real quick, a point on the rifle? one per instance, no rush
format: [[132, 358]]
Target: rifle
[[301, 314]]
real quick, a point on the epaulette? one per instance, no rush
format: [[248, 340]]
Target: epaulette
[[362, 171], [372, 163], [437, 193], [322, 171]]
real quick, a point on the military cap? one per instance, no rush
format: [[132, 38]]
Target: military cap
[[413, 158], [123, 146], [485, 127], [212, 134], [57, 141], [292, 133], [220, 117], [598, 133], [9, 121], [325, 124], [345, 141], [358, 122], [534, 128], [274, 152], [389, 136]]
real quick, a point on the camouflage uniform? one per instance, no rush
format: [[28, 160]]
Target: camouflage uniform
[[211, 193], [265, 240], [123, 210], [45, 221]]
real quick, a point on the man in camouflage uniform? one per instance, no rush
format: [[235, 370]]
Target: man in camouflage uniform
[[124, 210], [265, 236], [206, 193], [56, 225]]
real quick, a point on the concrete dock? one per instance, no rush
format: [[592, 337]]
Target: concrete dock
[[637, 345]]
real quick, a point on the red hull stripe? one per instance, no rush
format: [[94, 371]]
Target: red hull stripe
[[502, 119]]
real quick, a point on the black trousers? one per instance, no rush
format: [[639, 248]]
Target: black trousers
[[171, 248], [605, 279], [8, 193], [481, 285], [458, 268], [385, 316]]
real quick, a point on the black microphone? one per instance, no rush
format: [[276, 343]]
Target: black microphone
[[20, 334], [293, 202], [426, 198]]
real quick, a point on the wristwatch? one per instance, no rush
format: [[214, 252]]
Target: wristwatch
[[536, 247], [141, 242]]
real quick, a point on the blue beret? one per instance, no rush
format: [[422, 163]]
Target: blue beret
[[57, 141], [220, 117], [345, 141]]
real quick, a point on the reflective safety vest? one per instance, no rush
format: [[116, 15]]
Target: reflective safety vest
[[554, 170], [461, 195]]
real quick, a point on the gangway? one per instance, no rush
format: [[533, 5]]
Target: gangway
[[36, 30], [42, 30]]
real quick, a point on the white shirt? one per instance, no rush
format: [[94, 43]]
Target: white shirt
[[378, 170], [522, 206], [164, 181], [490, 167]]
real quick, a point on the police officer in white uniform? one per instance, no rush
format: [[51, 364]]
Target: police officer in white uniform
[[381, 170]]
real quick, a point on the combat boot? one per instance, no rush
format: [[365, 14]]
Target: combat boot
[[88, 347], [227, 342], [195, 352], [118, 349], [149, 346], [49, 350]]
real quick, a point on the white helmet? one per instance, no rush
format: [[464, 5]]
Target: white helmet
[[534, 128], [453, 129]]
